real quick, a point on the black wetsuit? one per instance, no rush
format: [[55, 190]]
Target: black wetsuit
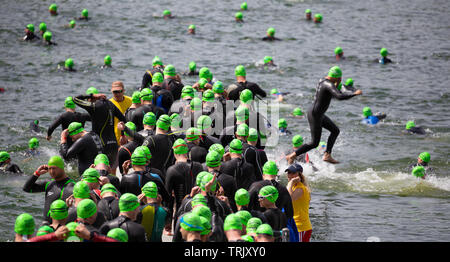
[[317, 118], [162, 98], [174, 87], [275, 218], [416, 130], [125, 153], [206, 141], [10, 167], [54, 190], [65, 119], [139, 113], [129, 113], [30, 37], [270, 38], [102, 114], [228, 183], [256, 90], [196, 153], [160, 146], [135, 231], [147, 78], [256, 157], [133, 183], [191, 73], [242, 172], [109, 206], [85, 149]]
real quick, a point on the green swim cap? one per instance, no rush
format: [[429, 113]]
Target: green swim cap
[[425, 156], [267, 59], [242, 197], [81, 190], [24, 225], [72, 23], [84, 13], [367, 111], [146, 94], [204, 122], [213, 159], [383, 52], [307, 11], [164, 122], [199, 199], [270, 193], [146, 151], [203, 211], [265, 229], [297, 141], [180, 147], [218, 87], [149, 119], [90, 175], [187, 91], [271, 31], [236, 146], [107, 60], [75, 128], [338, 50], [131, 126], [44, 230], [242, 130], [270, 168], [202, 82], [101, 159], [91, 90], [136, 97], [118, 234], [191, 222], [244, 6], [349, 82], [53, 7], [192, 66], [244, 215], [282, 123], [248, 238], [208, 95], [30, 27], [68, 63], [157, 61], [56, 161], [321, 144], [86, 208], [273, 91], [410, 124], [246, 96], [206, 178], [335, 72], [158, 78], [170, 70], [33, 143], [68, 103], [43, 27], [232, 222], [193, 28], [108, 188], [193, 134], [167, 13], [318, 17], [218, 148], [4, 156], [205, 73], [239, 15], [297, 111], [150, 189], [252, 224], [252, 135], [58, 210], [240, 71], [206, 225], [128, 202], [242, 114], [138, 158], [72, 236], [418, 171], [196, 104], [175, 120]]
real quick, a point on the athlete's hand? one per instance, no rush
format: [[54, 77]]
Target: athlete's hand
[[103, 180], [224, 199], [70, 200], [210, 183], [208, 86], [291, 157], [83, 232], [358, 92], [123, 140], [120, 126], [43, 169], [61, 232], [194, 191], [294, 180], [126, 166], [227, 156], [142, 198], [99, 96]]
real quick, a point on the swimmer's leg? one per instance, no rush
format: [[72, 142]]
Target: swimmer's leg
[[315, 124], [332, 127]]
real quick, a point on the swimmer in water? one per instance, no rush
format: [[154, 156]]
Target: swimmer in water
[[270, 35], [42, 28], [167, 14], [34, 126], [53, 9], [48, 38], [71, 24], [107, 61], [298, 113], [318, 18], [29, 33], [419, 171], [384, 59], [192, 69], [339, 53], [278, 94], [308, 15], [282, 127], [412, 128], [371, 119], [268, 61], [33, 146], [423, 160], [239, 17], [84, 15], [6, 165], [68, 65], [191, 30], [244, 6]]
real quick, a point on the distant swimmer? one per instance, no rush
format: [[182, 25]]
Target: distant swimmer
[[68, 65], [29, 33], [384, 59], [242, 84], [423, 160], [167, 14], [84, 15], [371, 119], [270, 35], [6, 165], [347, 86], [53, 9], [34, 126], [298, 113], [71, 24], [317, 18], [412, 128], [33, 145], [419, 171], [191, 29], [279, 95], [244, 6], [339, 53], [48, 38], [282, 127], [107, 61], [192, 69], [326, 89], [308, 15], [42, 28], [239, 17]]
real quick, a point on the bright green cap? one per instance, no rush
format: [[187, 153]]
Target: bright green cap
[[175, 120], [246, 96], [136, 97], [236, 146], [410, 124], [252, 224], [307, 11], [318, 17], [196, 104], [244, 215], [193, 134], [53, 7], [191, 222], [218, 87], [271, 31], [204, 122], [203, 211], [170, 70], [101, 159], [75, 128], [68, 103], [418, 171], [206, 178], [270, 168], [282, 123], [205, 73], [58, 210], [322, 144], [297, 111], [208, 95], [108, 188], [273, 91], [118, 234], [72, 23], [146, 151], [86, 208], [297, 140], [107, 60], [202, 82], [167, 13], [192, 65], [187, 91], [33, 143], [81, 190], [367, 111], [335, 72], [150, 189], [24, 225], [240, 71], [84, 13], [425, 156], [199, 199], [239, 15], [267, 59], [138, 158], [68, 63], [149, 119], [213, 159], [206, 225], [131, 126], [218, 148], [90, 175], [383, 52], [193, 28], [4, 156], [248, 238], [252, 135], [56, 161], [338, 50], [242, 113], [164, 122], [72, 237], [349, 82], [30, 27], [44, 230], [232, 222], [244, 6], [91, 90], [128, 202], [270, 193], [242, 197], [265, 229], [43, 27], [180, 147], [157, 61], [339, 87], [242, 130], [146, 94]]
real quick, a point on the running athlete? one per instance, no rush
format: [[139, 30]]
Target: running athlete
[[270, 35]]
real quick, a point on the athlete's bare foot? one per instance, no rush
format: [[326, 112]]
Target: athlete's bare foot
[[327, 157]]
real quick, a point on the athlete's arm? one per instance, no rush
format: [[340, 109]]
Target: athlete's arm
[[54, 125], [338, 94]]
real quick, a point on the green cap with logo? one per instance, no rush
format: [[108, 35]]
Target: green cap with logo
[[86, 208], [146, 151], [118, 234], [232, 222], [297, 141], [270, 168], [198, 199], [75, 128], [58, 210], [128, 202], [24, 225], [191, 222]]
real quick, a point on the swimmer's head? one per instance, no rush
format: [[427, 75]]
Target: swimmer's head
[[318, 18], [191, 29], [205, 73], [271, 32], [43, 27], [418, 171], [107, 60], [308, 14], [297, 112], [297, 141], [68, 103], [33, 143], [91, 90], [246, 96], [53, 9], [169, 70], [238, 16], [47, 36], [68, 64], [338, 51], [367, 111], [274, 91], [192, 66], [240, 71], [424, 157], [72, 23], [282, 123], [218, 87], [157, 61], [349, 82], [335, 72], [30, 27], [383, 52], [410, 124], [157, 78], [167, 13], [85, 13], [268, 60], [244, 6]]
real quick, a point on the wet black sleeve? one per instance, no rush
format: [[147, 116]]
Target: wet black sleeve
[[138, 138], [258, 90], [72, 152], [32, 187], [117, 113], [54, 125], [338, 94], [84, 118], [82, 102], [14, 169]]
